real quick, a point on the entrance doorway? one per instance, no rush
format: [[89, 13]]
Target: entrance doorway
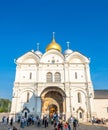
[[25, 112], [52, 110], [80, 113], [53, 101], [25, 115]]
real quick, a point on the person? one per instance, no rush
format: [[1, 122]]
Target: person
[[22, 122], [69, 127], [75, 124], [14, 128], [66, 126], [45, 122], [11, 121], [93, 120], [61, 125], [7, 120], [55, 125]]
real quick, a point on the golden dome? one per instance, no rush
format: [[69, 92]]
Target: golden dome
[[53, 45]]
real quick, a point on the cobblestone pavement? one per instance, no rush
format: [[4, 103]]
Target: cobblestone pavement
[[85, 126]]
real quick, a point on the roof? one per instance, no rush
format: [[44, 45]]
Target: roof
[[53, 45], [100, 94]]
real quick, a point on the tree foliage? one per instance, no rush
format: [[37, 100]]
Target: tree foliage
[[5, 105]]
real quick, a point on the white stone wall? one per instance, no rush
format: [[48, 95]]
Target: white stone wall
[[101, 108], [31, 77]]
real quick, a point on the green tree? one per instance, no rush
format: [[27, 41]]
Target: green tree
[[5, 105]]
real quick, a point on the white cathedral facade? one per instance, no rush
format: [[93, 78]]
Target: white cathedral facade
[[54, 82]]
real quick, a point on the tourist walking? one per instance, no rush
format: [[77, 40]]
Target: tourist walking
[[66, 126], [11, 121], [75, 124]]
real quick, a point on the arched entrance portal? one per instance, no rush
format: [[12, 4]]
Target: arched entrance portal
[[53, 101], [52, 109]]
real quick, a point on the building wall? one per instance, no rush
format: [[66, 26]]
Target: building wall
[[31, 78], [101, 108]]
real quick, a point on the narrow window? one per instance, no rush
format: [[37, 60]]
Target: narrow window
[[53, 61], [28, 96], [25, 115], [79, 97], [30, 76], [75, 75], [49, 77], [80, 114], [57, 77], [107, 109]]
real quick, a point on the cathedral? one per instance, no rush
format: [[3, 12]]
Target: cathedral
[[56, 82]]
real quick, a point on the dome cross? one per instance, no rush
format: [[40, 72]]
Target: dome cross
[[38, 46], [68, 44]]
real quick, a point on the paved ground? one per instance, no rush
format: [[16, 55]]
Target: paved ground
[[85, 126]]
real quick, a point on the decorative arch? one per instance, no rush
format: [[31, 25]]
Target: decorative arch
[[77, 57], [53, 96], [26, 90], [28, 57], [26, 96], [80, 90], [26, 109], [49, 89], [80, 109], [50, 54]]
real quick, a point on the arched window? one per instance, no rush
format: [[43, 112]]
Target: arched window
[[49, 77], [57, 77], [25, 115], [28, 96], [80, 115], [75, 75], [79, 97]]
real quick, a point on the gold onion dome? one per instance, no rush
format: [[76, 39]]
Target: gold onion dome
[[53, 45]]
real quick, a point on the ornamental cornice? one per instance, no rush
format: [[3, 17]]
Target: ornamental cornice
[[51, 84], [24, 84]]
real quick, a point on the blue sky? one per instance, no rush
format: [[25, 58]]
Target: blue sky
[[23, 23]]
